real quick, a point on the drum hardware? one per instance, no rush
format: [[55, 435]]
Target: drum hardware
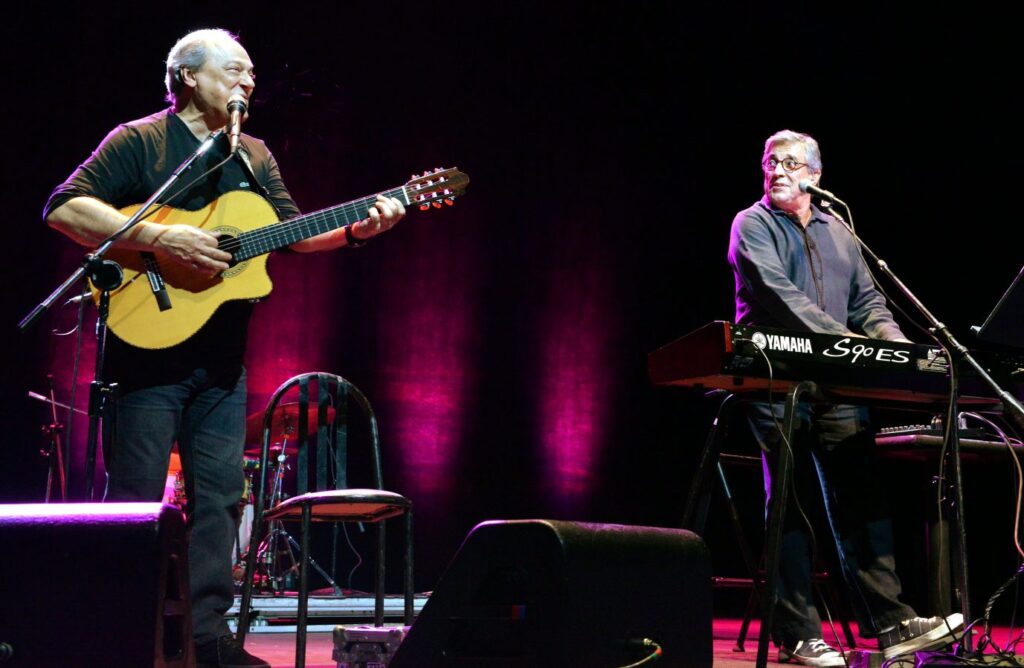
[[277, 564], [54, 451], [284, 427]]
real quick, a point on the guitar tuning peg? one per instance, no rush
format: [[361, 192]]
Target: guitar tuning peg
[[437, 205], [424, 207], [450, 201], [437, 169], [415, 176]]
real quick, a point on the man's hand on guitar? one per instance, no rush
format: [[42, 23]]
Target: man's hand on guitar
[[383, 215], [192, 247]]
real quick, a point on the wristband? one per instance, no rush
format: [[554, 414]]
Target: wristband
[[351, 240]]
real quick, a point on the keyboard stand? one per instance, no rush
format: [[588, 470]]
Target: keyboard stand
[[698, 499]]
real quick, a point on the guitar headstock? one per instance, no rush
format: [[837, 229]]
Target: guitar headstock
[[433, 188]]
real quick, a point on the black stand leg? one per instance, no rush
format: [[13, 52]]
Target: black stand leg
[[106, 275], [695, 513], [745, 626], [937, 528], [958, 515], [776, 514], [827, 591], [737, 525]]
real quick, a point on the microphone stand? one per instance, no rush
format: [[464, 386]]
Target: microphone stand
[[958, 354], [106, 276]]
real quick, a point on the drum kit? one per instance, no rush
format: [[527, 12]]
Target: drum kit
[[276, 564]]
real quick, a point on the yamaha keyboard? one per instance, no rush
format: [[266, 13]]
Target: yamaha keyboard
[[742, 358]]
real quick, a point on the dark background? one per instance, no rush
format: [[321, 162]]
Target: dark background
[[504, 341]]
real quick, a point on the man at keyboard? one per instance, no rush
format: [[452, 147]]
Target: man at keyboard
[[797, 267]]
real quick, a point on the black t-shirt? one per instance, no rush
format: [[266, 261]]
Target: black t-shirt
[[128, 166]]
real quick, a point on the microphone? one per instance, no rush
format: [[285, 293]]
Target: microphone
[[807, 187], [236, 110]]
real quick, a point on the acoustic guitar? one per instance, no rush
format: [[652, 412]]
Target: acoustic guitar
[[250, 230]]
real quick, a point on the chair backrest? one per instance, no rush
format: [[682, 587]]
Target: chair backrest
[[317, 412]]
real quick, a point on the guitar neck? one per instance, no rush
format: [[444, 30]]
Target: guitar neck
[[279, 235]]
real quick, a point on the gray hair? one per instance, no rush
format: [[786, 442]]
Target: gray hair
[[191, 51], [791, 137]]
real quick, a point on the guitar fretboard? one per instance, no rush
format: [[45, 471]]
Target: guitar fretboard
[[273, 237]]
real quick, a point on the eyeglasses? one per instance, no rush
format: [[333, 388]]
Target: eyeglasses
[[788, 164]]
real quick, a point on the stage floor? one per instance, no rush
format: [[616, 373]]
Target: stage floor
[[279, 648]]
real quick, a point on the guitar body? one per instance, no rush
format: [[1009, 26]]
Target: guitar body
[[135, 317]]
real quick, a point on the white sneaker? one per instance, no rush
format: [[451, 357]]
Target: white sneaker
[[920, 634], [812, 652]]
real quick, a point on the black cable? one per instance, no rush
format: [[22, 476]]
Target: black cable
[[986, 639], [987, 616], [645, 643]]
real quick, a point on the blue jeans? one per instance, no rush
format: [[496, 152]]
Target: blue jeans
[[841, 444], [205, 415]]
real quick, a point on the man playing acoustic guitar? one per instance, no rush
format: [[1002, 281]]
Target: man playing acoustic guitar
[[192, 392]]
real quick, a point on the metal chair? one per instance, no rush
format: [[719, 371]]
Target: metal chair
[[329, 499]]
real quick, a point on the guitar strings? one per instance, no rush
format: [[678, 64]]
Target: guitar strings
[[351, 211], [173, 271], [280, 228]]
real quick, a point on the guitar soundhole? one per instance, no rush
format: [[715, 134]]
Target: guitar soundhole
[[228, 241]]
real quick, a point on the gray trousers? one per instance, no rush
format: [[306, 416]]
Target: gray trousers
[[205, 415], [841, 445]]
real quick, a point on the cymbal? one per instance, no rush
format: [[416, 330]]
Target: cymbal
[[274, 450], [284, 426]]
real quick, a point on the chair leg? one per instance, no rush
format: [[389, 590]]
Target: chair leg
[[378, 604], [744, 546], [752, 603], [300, 636], [409, 586]]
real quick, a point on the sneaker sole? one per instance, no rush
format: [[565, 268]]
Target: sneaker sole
[[815, 663], [788, 656], [937, 637]]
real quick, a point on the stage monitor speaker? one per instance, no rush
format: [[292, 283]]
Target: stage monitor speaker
[[94, 584], [548, 593]]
